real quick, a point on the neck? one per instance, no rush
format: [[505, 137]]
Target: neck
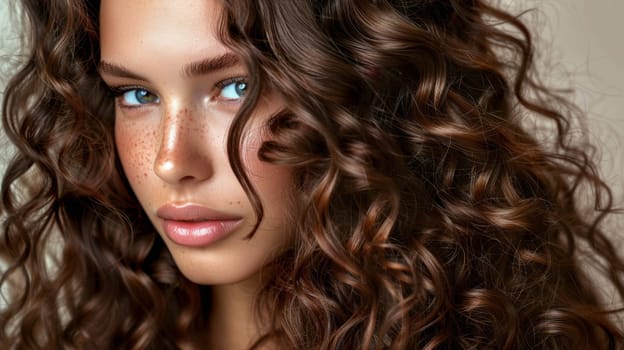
[[233, 323]]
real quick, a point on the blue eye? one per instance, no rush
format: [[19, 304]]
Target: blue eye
[[137, 97], [232, 89]]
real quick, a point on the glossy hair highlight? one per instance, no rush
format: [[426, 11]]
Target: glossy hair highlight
[[432, 217], [428, 214]]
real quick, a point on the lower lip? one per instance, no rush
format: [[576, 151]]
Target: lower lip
[[198, 233]]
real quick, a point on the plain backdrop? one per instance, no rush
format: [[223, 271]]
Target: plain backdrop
[[581, 47]]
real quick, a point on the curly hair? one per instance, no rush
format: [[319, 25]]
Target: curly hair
[[429, 216]]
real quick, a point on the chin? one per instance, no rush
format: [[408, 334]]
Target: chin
[[206, 270]]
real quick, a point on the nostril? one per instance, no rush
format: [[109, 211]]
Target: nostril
[[187, 178]]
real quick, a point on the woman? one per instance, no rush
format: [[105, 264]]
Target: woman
[[295, 174]]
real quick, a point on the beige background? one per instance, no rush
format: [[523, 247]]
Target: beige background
[[585, 51], [8, 45], [587, 54]]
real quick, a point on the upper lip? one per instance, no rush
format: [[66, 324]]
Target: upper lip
[[192, 212]]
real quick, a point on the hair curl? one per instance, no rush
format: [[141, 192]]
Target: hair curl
[[430, 217]]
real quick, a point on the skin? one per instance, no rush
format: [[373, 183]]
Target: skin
[[172, 146]]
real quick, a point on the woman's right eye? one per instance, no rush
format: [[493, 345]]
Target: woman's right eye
[[135, 97]]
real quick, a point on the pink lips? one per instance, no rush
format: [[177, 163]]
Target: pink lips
[[194, 225]]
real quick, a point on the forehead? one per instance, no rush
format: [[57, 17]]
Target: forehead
[[157, 27]]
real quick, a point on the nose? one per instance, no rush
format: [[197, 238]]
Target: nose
[[183, 155]]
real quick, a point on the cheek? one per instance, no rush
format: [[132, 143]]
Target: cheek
[[134, 145], [273, 182]]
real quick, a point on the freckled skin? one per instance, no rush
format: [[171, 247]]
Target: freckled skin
[[174, 151]]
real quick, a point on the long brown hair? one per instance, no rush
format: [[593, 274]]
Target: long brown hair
[[429, 214]]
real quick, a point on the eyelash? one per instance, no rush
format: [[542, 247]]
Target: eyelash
[[226, 82], [119, 91]]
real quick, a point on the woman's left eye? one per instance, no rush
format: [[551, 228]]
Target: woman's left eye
[[232, 89]]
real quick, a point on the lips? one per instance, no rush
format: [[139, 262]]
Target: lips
[[194, 225]]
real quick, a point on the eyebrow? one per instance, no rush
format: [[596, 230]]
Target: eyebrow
[[210, 65], [202, 67]]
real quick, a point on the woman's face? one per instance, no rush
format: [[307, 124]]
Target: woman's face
[[178, 90]]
